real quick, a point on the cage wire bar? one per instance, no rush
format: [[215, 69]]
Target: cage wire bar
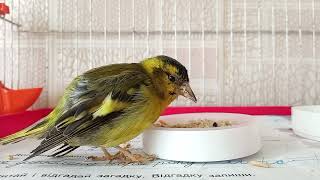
[[287, 50], [18, 51], [61, 45], [77, 39], [254, 58], [203, 53], [273, 54], [314, 44], [244, 26], [231, 49], [259, 50], [32, 63], [216, 48], [133, 31], [4, 51], [12, 49], [300, 35]]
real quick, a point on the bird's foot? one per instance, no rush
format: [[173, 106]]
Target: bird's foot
[[135, 158], [101, 158], [124, 155], [143, 159], [107, 156], [127, 157]]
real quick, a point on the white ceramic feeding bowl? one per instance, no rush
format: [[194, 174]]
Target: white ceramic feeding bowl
[[306, 121], [239, 140]]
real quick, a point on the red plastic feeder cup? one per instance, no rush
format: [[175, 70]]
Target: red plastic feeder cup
[[13, 101], [4, 9]]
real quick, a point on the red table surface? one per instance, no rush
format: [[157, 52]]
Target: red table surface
[[12, 123]]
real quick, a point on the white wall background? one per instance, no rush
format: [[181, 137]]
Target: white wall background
[[238, 52]]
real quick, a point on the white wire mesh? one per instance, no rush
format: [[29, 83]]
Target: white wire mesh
[[237, 52]]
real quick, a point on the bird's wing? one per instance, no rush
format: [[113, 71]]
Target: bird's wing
[[90, 106]]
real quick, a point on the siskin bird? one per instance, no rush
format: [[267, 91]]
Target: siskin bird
[[108, 106]]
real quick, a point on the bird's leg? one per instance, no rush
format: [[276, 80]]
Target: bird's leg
[[120, 156], [129, 157], [123, 155], [107, 156]]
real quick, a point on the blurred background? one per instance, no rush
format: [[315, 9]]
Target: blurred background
[[238, 52]]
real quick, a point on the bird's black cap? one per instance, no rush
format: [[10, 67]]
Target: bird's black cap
[[182, 71]]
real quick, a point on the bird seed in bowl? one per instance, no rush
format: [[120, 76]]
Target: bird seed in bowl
[[206, 123]]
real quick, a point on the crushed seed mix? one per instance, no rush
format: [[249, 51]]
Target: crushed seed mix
[[194, 124]]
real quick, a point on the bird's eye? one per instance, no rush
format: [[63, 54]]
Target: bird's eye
[[171, 78]]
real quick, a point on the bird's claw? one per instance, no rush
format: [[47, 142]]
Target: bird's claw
[[143, 158], [102, 158], [124, 156], [136, 158]]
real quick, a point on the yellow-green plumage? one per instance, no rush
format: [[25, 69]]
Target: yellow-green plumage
[[109, 105]]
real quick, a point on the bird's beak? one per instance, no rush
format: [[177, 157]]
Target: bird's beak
[[186, 91]]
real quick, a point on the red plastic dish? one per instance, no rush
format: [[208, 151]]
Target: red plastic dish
[[4, 9], [12, 123], [13, 101]]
